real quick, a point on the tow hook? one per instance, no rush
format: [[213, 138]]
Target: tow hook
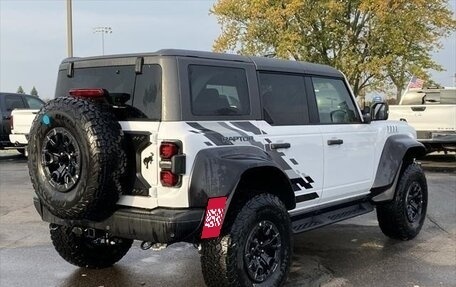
[[90, 233], [146, 245], [198, 247]]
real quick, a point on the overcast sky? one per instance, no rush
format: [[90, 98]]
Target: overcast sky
[[33, 35]]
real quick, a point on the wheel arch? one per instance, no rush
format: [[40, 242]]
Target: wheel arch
[[231, 171], [265, 179]]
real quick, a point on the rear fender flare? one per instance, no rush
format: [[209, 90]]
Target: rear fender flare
[[217, 172]]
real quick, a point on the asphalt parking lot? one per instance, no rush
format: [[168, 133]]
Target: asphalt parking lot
[[351, 253]]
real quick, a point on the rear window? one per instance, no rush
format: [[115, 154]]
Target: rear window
[[144, 89], [217, 91]]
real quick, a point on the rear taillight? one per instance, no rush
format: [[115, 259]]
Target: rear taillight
[[172, 163], [87, 93], [168, 150], [167, 178]]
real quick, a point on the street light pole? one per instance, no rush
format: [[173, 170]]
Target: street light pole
[[102, 31], [69, 28]]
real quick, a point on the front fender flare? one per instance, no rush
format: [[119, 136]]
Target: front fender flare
[[396, 148]]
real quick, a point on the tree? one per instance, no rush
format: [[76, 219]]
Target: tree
[[373, 42], [20, 90], [34, 92]]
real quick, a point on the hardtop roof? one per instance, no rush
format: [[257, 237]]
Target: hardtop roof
[[261, 63]]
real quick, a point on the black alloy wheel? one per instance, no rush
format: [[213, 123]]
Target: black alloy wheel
[[262, 251], [414, 202], [61, 159]]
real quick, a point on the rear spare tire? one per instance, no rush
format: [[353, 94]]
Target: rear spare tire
[[75, 158]]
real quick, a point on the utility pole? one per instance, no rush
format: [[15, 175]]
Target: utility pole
[[69, 27], [102, 31]]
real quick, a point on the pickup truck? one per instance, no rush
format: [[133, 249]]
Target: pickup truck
[[21, 122], [432, 112], [17, 112]]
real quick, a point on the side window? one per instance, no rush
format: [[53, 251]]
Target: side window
[[148, 91], [284, 99], [14, 102], [34, 103], [334, 102], [218, 91]]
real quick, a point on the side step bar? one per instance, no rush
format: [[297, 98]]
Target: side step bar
[[316, 219]]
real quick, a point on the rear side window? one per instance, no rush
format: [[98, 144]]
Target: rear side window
[[148, 90], [334, 102], [217, 91], [284, 99], [14, 102], [34, 103]]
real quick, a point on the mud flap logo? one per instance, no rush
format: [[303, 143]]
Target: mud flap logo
[[215, 212]]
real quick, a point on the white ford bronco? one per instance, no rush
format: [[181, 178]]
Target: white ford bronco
[[233, 154]]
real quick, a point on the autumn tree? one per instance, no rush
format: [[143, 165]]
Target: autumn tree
[[373, 42], [20, 90], [34, 92]]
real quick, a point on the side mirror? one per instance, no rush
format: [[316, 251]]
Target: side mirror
[[367, 118], [380, 111]]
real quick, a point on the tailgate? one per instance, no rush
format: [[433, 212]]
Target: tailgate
[[426, 117], [22, 120]]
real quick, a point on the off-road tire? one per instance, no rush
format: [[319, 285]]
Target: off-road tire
[[78, 249], [222, 258], [392, 216], [98, 137]]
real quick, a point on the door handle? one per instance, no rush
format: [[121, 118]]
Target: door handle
[[280, 145], [335, 142]]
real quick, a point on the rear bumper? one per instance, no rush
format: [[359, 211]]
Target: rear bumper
[[437, 137], [160, 225]]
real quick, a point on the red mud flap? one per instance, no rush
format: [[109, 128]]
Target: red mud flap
[[213, 221]]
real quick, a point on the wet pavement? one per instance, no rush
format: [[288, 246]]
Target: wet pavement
[[351, 253]]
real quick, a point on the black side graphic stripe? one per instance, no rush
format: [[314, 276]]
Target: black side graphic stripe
[[306, 197], [252, 142], [301, 182], [213, 136], [293, 161], [309, 179], [247, 126]]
